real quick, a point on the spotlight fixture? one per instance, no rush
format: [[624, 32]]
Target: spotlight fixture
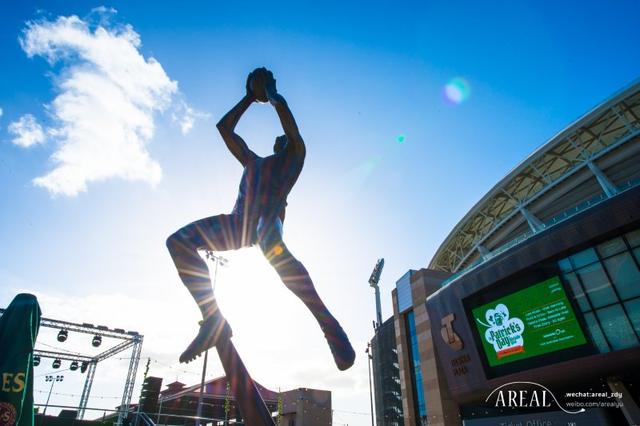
[[97, 340], [36, 360], [73, 366], [56, 363], [62, 335], [84, 366]]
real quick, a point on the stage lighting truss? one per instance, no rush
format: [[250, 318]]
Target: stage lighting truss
[[87, 363]]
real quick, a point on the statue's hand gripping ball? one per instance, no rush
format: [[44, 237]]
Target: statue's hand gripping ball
[[258, 84]]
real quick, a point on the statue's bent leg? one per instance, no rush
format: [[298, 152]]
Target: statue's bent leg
[[295, 276], [217, 233]]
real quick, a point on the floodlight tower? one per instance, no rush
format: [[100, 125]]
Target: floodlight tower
[[373, 282]]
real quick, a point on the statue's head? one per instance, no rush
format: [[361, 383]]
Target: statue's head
[[280, 144]]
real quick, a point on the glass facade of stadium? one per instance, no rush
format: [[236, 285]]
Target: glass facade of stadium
[[537, 288], [605, 282]]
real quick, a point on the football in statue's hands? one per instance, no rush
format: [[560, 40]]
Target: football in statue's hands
[[257, 84]]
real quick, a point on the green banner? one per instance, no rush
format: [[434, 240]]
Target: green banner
[[18, 331], [530, 322]]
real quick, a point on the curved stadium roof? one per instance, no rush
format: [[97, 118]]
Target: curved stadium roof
[[592, 159]]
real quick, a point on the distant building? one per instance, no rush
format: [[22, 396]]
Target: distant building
[[386, 376], [306, 407], [177, 403]]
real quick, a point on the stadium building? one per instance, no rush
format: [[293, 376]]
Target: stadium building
[[539, 283]]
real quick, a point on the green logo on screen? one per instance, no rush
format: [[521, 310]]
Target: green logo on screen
[[504, 333], [539, 315]]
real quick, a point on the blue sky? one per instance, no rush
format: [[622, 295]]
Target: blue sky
[[357, 76]]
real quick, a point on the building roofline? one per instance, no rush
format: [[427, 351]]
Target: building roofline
[[551, 143]]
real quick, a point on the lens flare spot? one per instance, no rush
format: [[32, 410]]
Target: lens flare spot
[[457, 91], [401, 138]]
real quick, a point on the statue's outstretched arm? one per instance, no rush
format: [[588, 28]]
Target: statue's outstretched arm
[[227, 124], [286, 117]]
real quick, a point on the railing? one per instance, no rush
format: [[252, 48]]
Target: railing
[[555, 220], [143, 419]]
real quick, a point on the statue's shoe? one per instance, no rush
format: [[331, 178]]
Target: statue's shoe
[[212, 330], [341, 349]]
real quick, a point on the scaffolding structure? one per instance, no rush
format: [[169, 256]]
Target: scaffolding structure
[[128, 339]]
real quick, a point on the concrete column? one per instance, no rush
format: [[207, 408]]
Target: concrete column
[[441, 409], [484, 252], [605, 183], [406, 387], [535, 224]]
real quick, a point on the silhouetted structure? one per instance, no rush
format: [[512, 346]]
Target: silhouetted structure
[[178, 403], [256, 220], [19, 325], [386, 376]]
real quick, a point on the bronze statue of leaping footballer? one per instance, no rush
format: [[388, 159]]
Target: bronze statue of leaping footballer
[[256, 219]]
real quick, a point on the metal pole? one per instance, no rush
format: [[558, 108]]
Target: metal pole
[[53, 381], [159, 411], [204, 371], [131, 380], [248, 399], [227, 405], [216, 260], [373, 282], [48, 397], [378, 306], [215, 274], [369, 358], [91, 371]]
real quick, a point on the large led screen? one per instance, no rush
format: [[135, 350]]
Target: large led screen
[[530, 322]]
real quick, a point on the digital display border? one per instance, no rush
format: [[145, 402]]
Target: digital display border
[[510, 287], [533, 321]]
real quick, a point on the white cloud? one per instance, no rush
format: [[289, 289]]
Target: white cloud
[[1, 112], [108, 96], [27, 131], [186, 117]]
